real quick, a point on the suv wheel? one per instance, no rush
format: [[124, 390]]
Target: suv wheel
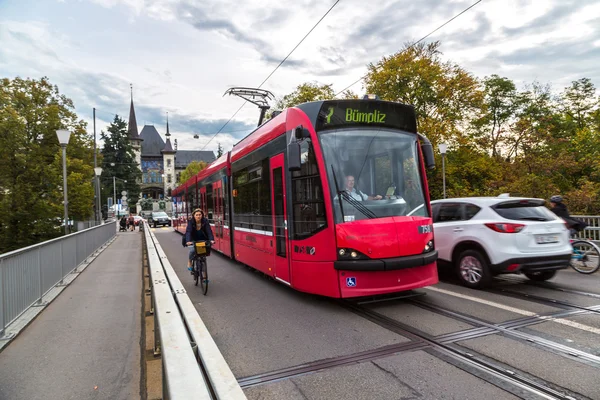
[[472, 269], [540, 275]]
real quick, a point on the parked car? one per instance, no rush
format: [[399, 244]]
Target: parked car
[[159, 218], [137, 219], [481, 237]]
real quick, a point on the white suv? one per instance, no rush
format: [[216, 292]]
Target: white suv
[[486, 236]]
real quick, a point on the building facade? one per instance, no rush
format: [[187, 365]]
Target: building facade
[[160, 163]]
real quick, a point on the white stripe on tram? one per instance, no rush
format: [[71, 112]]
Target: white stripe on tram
[[257, 231]]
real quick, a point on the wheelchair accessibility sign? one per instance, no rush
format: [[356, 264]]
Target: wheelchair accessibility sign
[[351, 282]]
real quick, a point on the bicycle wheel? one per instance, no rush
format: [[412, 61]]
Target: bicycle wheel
[[204, 276], [586, 257], [197, 266]]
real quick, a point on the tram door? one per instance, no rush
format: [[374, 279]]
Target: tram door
[[218, 218], [280, 236]]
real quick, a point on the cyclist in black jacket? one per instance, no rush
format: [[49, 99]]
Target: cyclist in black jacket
[[560, 209], [198, 229]]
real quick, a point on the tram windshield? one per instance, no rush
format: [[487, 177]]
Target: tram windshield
[[377, 173]]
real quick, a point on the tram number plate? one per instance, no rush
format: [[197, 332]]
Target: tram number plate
[[544, 239], [425, 228]]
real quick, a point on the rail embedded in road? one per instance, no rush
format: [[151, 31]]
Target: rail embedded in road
[[185, 363]]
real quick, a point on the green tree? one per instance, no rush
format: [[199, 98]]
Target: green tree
[[118, 159], [444, 95], [500, 105], [579, 101], [305, 92], [31, 197], [192, 169], [219, 150]]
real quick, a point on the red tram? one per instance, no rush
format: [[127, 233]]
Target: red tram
[[328, 197]]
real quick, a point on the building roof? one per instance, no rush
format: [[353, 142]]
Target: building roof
[[184, 157], [168, 148], [152, 144], [132, 129]]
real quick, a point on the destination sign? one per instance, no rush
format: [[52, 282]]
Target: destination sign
[[337, 114]]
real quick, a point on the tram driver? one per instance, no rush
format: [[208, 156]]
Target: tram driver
[[355, 193]]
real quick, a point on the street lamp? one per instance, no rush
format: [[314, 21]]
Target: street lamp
[[442, 147], [98, 171], [63, 139]]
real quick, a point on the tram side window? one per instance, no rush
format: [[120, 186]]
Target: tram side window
[[189, 202], [307, 195], [209, 202], [252, 197], [225, 202]]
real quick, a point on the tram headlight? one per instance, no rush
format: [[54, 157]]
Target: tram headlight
[[428, 247], [350, 254]]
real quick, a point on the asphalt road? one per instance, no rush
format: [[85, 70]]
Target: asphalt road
[[262, 326], [86, 343]]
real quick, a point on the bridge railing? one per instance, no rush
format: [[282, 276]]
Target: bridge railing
[[27, 274], [191, 360], [592, 231]]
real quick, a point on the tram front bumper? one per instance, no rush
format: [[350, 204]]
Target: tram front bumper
[[387, 264]]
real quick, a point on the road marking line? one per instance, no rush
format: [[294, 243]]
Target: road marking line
[[562, 321]]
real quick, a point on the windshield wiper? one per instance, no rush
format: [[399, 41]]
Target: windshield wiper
[[359, 206]]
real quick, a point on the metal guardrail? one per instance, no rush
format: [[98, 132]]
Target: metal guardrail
[[27, 274], [592, 231], [189, 353]]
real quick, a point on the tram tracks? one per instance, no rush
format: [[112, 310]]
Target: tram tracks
[[542, 300], [549, 286], [509, 330], [444, 346], [509, 380]]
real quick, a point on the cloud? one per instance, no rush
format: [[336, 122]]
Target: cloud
[[181, 55]]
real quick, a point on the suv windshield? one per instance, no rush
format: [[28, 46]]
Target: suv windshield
[[159, 215], [377, 173]]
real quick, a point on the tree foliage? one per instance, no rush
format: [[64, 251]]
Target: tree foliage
[[31, 196], [192, 169], [444, 94], [118, 160], [529, 142], [309, 91], [219, 150]]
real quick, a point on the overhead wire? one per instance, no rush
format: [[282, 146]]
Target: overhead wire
[[272, 72], [417, 42]]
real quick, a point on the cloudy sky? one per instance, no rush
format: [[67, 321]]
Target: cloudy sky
[[181, 55]]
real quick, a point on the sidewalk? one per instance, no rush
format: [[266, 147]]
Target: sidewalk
[[86, 343]]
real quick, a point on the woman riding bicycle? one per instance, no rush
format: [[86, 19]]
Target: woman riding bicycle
[[198, 229]]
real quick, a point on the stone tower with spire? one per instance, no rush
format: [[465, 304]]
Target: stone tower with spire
[[133, 135], [168, 163]]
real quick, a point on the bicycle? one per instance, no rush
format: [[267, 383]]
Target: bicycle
[[586, 256], [200, 267]]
